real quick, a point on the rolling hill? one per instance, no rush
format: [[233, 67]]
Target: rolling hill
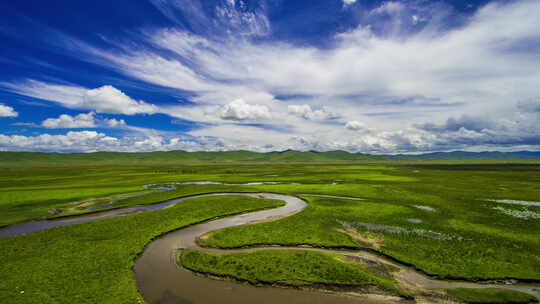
[[247, 156]]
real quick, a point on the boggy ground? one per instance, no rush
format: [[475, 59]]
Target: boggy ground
[[461, 232], [441, 245], [92, 262]]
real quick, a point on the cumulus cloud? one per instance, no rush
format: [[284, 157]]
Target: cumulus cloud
[[355, 125], [115, 122], [240, 110], [349, 2], [514, 129], [7, 111], [92, 141], [105, 99], [305, 111], [66, 121], [227, 137], [82, 141], [82, 121], [108, 99]]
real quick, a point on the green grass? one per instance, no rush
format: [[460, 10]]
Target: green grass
[[28, 192], [450, 250], [312, 226], [456, 190], [296, 268], [490, 295], [91, 263]]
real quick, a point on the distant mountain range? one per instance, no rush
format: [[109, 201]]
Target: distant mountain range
[[247, 156], [461, 155]]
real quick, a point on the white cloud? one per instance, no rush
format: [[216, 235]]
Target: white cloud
[[7, 111], [151, 143], [355, 125], [415, 19], [349, 2], [83, 141], [389, 7], [240, 110], [519, 132], [488, 68], [225, 19], [82, 121], [305, 111], [105, 99], [92, 141], [66, 121], [108, 99], [299, 110], [242, 137], [115, 122], [479, 64]]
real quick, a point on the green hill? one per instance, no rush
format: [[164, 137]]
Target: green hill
[[183, 157], [461, 155], [248, 156]]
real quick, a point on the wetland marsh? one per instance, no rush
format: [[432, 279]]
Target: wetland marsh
[[364, 208]]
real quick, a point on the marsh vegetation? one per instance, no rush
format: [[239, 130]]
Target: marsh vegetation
[[458, 230]]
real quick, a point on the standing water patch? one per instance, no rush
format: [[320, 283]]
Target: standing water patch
[[515, 202]]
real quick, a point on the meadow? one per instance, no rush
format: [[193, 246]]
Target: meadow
[[439, 245], [92, 263], [489, 295], [454, 219], [287, 268]]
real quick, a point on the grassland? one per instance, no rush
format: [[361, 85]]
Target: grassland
[[490, 296], [29, 192], [460, 239], [91, 263], [35, 189], [290, 268], [437, 245], [461, 234]]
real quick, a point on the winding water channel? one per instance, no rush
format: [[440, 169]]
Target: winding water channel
[[160, 280]]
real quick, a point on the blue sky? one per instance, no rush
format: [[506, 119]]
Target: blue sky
[[362, 76]]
